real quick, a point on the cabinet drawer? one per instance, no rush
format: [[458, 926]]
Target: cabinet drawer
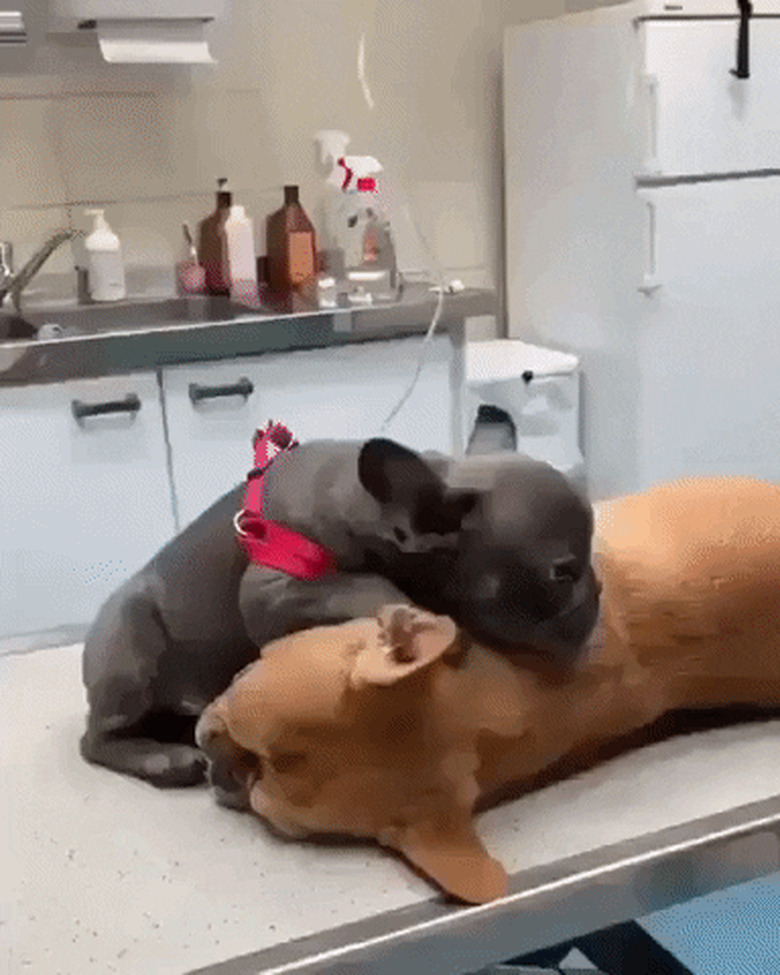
[[339, 393], [86, 496]]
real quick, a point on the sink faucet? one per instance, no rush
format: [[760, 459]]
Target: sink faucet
[[14, 284], [6, 262]]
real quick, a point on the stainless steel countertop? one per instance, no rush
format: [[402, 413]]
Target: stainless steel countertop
[[129, 337]]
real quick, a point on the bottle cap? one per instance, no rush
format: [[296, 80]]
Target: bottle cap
[[224, 194]]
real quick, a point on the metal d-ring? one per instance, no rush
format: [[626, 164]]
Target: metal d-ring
[[237, 521]]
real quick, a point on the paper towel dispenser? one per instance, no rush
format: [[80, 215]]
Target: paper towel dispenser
[[142, 31]]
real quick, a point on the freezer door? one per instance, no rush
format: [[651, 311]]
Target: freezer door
[[700, 117], [709, 342]]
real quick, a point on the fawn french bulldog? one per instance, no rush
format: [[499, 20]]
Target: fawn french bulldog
[[395, 726]]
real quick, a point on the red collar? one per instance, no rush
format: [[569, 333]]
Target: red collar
[[269, 542]]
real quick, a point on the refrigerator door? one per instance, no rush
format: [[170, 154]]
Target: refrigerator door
[[575, 247], [709, 341], [700, 117]]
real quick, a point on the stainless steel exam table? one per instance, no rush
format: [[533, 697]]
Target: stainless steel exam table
[[106, 874]]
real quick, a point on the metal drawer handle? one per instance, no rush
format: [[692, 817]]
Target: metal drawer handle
[[242, 388], [130, 404]]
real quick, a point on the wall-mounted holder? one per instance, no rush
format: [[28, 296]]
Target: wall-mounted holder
[[12, 29], [142, 31]]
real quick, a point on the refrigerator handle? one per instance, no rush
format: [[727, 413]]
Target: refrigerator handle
[[650, 87], [650, 282], [742, 69]]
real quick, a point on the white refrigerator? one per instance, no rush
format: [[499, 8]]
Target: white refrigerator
[[642, 195]]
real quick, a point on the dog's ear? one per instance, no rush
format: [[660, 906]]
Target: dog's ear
[[394, 475], [408, 640], [452, 855]]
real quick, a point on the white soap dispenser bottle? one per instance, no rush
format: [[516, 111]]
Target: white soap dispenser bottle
[[105, 271]]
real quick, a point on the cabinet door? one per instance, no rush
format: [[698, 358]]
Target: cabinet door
[[212, 409], [349, 392], [85, 501], [702, 119], [708, 346], [341, 393]]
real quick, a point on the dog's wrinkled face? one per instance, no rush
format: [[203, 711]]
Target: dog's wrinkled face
[[349, 729], [505, 552]]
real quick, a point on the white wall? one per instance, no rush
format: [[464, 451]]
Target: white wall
[[148, 143]]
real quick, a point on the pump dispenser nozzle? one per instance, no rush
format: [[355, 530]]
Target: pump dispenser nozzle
[[333, 145], [99, 222]]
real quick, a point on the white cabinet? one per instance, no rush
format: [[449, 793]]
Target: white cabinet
[[701, 118], [85, 499], [343, 392]]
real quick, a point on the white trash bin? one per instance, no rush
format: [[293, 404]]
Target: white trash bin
[[540, 390]]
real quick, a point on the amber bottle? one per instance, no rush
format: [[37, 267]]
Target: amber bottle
[[212, 243], [291, 246]]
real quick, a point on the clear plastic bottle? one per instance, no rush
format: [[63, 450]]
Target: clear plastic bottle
[[190, 273]]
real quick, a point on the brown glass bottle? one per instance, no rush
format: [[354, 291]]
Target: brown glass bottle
[[212, 243], [290, 245]]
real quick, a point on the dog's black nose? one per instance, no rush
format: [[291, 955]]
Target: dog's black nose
[[566, 569]]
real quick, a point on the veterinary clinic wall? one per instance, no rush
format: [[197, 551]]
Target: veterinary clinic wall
[[147, 143]]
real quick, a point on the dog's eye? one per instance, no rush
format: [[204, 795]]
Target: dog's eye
[[400, 534], [490, 585], [288, 762], [565, 570]]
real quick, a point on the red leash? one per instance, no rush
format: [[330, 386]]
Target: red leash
[[269, 542]]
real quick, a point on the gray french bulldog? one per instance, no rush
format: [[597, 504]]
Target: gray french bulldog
[[502, 545]]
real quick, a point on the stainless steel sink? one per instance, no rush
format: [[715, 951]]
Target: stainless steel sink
[[74, 320]]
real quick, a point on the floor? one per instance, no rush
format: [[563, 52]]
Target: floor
[[732, 932]]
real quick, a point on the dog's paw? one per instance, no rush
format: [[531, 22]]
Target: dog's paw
[[175, 765], [230, 778], [234, 798]]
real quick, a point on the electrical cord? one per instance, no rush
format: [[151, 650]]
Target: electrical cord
[[436, 267], [427, 340], [420, 364]]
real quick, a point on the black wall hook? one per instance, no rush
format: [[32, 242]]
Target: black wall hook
[[742, 69]]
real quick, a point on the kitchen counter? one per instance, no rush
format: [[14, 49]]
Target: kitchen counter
[[107, 874], [103, 341]]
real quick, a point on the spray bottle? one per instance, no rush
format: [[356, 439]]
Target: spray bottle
[[357, 228]]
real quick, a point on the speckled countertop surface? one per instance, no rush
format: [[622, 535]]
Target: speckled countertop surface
[[108, 875]]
